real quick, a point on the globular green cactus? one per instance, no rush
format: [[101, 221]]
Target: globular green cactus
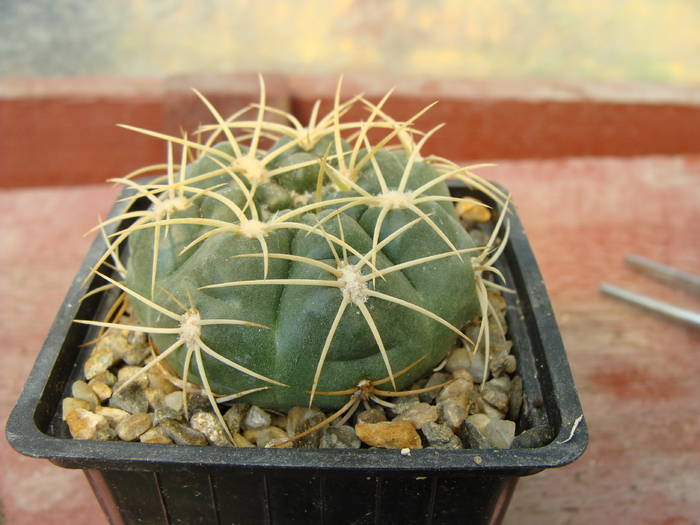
[[306, 266]]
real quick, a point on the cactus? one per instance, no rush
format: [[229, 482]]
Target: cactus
[[310, 265]]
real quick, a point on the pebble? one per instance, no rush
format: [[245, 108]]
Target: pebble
[[136, 353], [161, 382], [127, 372], [132, 398], [372, 415], [500, 433], [460, 358], [436, 379], [300, 419], [173, 401], [182, 434], [113, 415], [84, 424], [420, 414], [389, 434], [71, 403], [459, 389], [156, 398], [162, 413], [272, 436], [235, 415], [495, 397], [113, 340], [401, 404], [479, 421], [453, 412], [155, 435], [440, 436], [240, 441], [133, 425], [515, 400], [198, 403], [81, 390], [256, 418], [101, 390], [99, 361], [471, 436], [209, 425], [342, 436], [106, 377]]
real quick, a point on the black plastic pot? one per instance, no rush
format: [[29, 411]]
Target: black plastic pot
[[156, 484]]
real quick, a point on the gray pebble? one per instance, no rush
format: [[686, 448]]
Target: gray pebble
[[401, 404], [235, 415], [372, 415], [471, 437], [436, 379], [500, 433], [339, 437], [256, 418], [166, 413], [440, 436], [132, 399], [181, 434], [515, 398], [420, 414], [198, 403]]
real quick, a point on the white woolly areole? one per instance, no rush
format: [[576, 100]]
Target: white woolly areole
[[253, 169], [394, 200], [252, 228], [308, 141], [353, 285], [190, 327], [170, 206]]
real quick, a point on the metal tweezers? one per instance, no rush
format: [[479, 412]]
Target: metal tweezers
[[687, 282]]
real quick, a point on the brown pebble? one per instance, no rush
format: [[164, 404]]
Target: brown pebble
[[240, 441], [106, 377], [71, 403], [101, 390], [389, 434], [155, 435], [132, 426], [84, 425]]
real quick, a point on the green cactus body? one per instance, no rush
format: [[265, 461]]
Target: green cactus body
[[304, 272], [299, 317]]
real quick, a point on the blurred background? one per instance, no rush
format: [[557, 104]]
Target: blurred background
[[591, 110], [627, 40]]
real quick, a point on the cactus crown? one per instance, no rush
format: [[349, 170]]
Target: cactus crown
[[282, 261]]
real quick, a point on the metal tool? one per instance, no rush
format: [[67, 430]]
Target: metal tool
[[687, 282]]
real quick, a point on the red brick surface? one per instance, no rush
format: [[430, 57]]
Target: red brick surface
[[636, 373], [62, 131]]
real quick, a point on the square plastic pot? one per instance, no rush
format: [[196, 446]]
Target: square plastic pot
[[164, 484]]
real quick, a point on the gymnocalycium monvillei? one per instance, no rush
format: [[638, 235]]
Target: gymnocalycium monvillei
[[281, 261]]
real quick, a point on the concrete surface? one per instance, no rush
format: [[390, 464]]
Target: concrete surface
[[636, 373]]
